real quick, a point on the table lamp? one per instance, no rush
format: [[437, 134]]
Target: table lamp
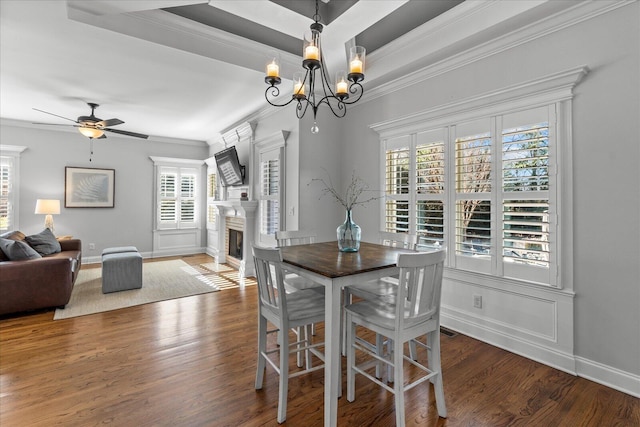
[[48, 207]]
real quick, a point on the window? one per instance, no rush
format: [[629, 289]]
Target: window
[[212, 190], [9, 175], [483, 189], [269, 193], [177, 186], [269, 160]]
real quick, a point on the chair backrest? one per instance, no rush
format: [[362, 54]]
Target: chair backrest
[[271, 291], [398, 240], [298, 237], [420, 286]]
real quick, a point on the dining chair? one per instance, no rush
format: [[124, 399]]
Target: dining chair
[[285, 311], [297, 237], [292, 281], [386, 286], [415, 311]]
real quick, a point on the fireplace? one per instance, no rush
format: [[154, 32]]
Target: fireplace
[[234, 241], [235, 244], [236, 219]]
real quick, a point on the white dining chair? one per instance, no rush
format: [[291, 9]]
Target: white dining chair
[[297, 310], [297, 237], [292, 281], [415, 311], [386, 286]]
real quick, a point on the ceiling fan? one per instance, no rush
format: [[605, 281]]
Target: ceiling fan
[[93, 127]]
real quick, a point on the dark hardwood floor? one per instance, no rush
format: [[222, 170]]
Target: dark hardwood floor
[[191, 362]]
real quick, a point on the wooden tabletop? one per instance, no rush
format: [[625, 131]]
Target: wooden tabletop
[[325, 258]]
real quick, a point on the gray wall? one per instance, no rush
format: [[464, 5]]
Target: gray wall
[[606, 177], [42, 173]]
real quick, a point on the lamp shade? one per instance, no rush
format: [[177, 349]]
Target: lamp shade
[[91, 132], [48, 207]]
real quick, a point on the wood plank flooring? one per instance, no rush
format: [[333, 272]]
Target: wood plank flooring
[[191, 362]]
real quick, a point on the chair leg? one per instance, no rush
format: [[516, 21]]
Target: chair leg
[[301, 336], [379, 352], [413, 353], [351, 358], [262, 347], [390, 348], [346, 299], [284, 379], [436, 366], [308, 331], [398, 383]]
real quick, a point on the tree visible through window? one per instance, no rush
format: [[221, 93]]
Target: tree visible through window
[[495, 191]]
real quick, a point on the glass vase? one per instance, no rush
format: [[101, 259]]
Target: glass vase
[[348, 235]]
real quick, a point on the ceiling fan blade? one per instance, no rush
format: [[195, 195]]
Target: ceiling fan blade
[[52, 124], [110, 122], [124, 132], [66, 118]]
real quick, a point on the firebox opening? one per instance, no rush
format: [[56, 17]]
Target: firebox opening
[[235, 244]]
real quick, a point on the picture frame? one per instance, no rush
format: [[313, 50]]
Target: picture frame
[[89, 187]]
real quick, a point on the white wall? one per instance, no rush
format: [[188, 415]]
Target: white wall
[[606, 177], [42, 174]]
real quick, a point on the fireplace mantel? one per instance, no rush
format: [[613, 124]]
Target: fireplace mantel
[[233, 207], [241, 209]]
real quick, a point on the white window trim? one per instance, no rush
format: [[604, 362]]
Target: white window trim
[[553, 89], [159, 163], [14, 151], [276, 141]]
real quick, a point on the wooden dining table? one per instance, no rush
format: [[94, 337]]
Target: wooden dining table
[[326, 265]]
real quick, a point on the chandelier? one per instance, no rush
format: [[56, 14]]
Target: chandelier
[[336, 97]]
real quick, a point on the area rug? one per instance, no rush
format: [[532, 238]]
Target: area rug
[[161, 280]]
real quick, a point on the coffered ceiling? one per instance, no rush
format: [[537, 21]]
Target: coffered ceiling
[[192, 69]]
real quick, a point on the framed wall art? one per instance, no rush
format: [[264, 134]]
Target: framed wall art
[[89, 187]]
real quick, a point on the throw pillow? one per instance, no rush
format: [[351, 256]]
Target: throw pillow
[[17, 250], [13, 235], [45, 243]]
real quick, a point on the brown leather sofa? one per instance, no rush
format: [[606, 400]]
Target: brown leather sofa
[[40, 283]]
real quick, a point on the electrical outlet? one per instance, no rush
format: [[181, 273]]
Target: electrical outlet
[[477, 301], [92, 246]]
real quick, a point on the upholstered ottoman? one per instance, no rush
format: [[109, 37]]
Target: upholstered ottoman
[[118, 249], [121, 271]]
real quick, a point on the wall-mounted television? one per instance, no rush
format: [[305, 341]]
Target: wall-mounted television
[[230, 171]]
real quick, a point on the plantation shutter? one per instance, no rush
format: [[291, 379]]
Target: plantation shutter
[[270, 193], [397, 184], [212, 211], [473, 181], [6, 178], [527, 211], [187, 197], [177, 192], [168, 197], [430, 188]]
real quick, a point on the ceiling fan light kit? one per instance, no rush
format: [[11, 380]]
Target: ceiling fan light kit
[[347, 89], [91, 132], [94, 128]]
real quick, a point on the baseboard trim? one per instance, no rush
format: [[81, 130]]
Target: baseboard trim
[[97, 259], [608, 376], [614, 378]]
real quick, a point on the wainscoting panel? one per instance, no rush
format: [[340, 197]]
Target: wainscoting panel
[[177, 242], [533, 321]]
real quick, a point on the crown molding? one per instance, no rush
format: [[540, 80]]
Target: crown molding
[[70, 129], [551, 88], [576, 14]]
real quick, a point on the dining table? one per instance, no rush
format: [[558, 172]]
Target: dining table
[[325, 264]]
